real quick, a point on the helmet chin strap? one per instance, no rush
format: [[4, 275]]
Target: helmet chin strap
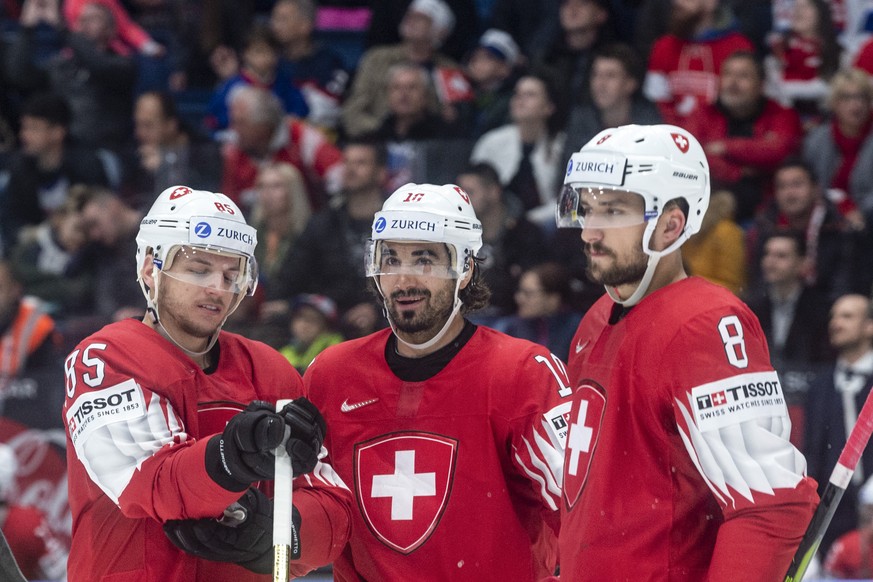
[[651, 265], [456, 308], [641, 288]]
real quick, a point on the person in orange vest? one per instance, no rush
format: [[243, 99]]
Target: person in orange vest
[[30, 356], [24, 324]]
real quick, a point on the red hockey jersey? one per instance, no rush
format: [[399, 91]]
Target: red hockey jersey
[[456, 477], [138, 412], [678, 465]]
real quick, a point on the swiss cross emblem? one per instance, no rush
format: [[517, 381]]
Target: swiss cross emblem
[[179, 192], [403, 482], [586, 415], [681, 142], [462, 194], [604, 138]]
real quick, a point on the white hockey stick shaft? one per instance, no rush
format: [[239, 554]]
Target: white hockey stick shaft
[[282, 535]]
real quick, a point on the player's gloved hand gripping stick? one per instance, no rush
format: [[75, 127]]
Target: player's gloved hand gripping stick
[[839, 480], [245, 534]]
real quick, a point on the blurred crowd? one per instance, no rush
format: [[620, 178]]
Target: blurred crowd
[[308, 114]]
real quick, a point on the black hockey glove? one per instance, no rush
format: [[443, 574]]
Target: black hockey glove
[[307, 430], [243, 536], [243, 453]]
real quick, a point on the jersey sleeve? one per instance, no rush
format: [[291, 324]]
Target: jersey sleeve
[[324, 502], [538, 426], [732, 417], [133, 443]]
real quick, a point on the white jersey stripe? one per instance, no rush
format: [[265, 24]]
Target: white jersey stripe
[[114, 449], [750, 456], [539, 479]]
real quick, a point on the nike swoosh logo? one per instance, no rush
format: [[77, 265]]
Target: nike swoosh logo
[[582, 346], [346, 407]]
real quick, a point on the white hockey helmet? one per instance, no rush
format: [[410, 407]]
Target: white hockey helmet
[[184, 217], [429, 213], [658, 162]]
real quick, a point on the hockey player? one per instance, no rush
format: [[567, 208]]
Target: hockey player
[[161, 423], [678, 465], [452, 434]]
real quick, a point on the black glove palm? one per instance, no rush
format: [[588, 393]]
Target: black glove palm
[[244, 536]]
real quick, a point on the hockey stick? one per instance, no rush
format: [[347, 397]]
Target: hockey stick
[[8, 568], [840, 478], [282, 535]]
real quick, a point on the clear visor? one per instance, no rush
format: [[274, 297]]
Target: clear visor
[[593, 207], [222, 270], [410, 258]]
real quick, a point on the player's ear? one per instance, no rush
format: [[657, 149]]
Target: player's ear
[[670, 225], [146, 272], [468, 276]]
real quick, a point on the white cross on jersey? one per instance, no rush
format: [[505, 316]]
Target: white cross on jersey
[[718, 398], [404, 485], [579, 439]]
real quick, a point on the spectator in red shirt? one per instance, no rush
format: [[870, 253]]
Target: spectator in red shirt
[[685, 63], [745, 134], [262, 133]]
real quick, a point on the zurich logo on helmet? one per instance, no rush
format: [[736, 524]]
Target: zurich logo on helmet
[[380, 225], [569, 167], [202, 229]]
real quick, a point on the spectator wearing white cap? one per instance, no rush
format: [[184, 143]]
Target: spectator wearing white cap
[[492, 69], [423, 29], [387, 14]]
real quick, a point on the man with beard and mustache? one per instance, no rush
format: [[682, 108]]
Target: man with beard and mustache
[[170, 420], [684, 64], [452, 433], [678, 448]]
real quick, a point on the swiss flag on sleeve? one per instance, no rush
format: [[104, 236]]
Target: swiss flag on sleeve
[[451, 85]]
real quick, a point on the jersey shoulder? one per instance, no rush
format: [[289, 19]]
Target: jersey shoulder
[[502, 347]]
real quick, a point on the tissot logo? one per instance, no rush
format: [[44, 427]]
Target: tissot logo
[[738, 394], [736, 399], [202, 229], [380, 225]]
